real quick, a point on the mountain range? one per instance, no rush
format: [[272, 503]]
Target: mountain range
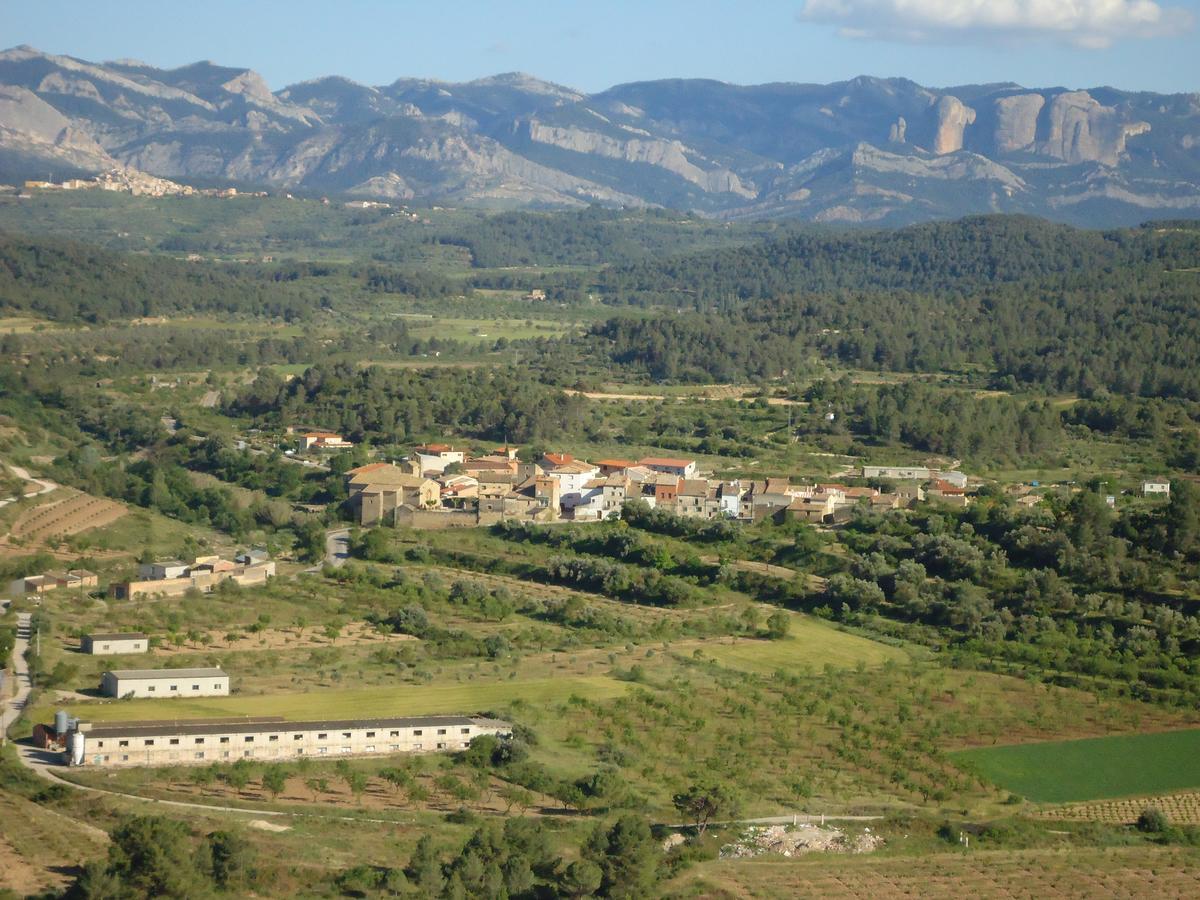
[[869, 150]]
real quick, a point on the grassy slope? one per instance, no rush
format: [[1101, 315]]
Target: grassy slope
[[810, 643], [1094, 768], [407, 700]]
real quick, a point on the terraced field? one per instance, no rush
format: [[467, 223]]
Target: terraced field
[[66, 517], [1180, 809], [1073, 872]]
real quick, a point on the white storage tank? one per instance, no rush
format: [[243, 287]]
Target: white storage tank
[[75, 748]]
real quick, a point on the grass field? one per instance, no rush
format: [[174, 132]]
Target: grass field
[[407, 700], [1093, 768], [810, 643]]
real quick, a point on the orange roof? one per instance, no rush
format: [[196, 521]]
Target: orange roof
[[614, 463], [558, 459], [436, 448], [369, 467], [946, 487], [322, 434]]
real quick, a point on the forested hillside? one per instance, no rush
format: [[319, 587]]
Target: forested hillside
[[1033, 303], [68, 281]]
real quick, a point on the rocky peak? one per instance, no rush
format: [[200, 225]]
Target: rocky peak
[[952, 117]]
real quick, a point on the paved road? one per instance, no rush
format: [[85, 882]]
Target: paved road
[[337, 547], [12, 708], [337, 550]]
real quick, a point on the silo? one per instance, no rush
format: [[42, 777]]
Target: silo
[[60, 722], [75, 743]]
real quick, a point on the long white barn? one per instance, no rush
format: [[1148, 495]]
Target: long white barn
[[206, 741]]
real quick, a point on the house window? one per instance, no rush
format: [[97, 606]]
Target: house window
[[418, 732], [99, 743], [249, 739], [150, 688], [370, 734], [224, 740], [124, 757], [345, 734], [466, 731], [393, 747], [394, 734], [441, 746], [199, 754], [173, 741], [322, 749], [416, 746], [247, 752], [122, 743], [105, 647], [195, 687], [370, 748], [273, 737], [323, 736], [174, 687], [343, 749], [297, 737], [225, 754], [441, 731], [199, 740]]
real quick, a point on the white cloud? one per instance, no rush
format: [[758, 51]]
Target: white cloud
[[1085, 23]]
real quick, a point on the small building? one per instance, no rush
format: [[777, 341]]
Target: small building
[[323, 440], [162, 570], [111, 643], [165, 683], [682, 468], [252, 557], [1156, 488], [433, 458], [613, 466], [897, 473]]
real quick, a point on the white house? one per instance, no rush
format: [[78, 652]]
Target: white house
[[572, 477], [1156, 489], [433, 458], [161, 571], [682, 468]]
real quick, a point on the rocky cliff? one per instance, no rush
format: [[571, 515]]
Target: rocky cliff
[[863, 150]]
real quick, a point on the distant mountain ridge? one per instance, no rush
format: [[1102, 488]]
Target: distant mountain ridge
[[869, 150]]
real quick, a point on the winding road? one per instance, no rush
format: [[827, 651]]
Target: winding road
[[44, 486]]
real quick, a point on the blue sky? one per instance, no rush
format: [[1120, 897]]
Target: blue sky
[[1138, 44]]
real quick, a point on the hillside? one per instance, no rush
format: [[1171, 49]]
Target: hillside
[[868, 150]]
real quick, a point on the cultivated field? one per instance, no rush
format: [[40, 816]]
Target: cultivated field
[[1180, 809], [67, 517], [405, 700], [1074, 872], [1093, 768]]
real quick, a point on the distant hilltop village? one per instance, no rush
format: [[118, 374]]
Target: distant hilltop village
[[132, 181]]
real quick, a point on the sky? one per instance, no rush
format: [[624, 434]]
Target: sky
[[1132, 44]]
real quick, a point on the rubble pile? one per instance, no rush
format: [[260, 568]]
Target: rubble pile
[[793, 840]]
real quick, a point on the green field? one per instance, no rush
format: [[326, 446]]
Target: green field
[[810, 644], [408, 700], [1093, 768]]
